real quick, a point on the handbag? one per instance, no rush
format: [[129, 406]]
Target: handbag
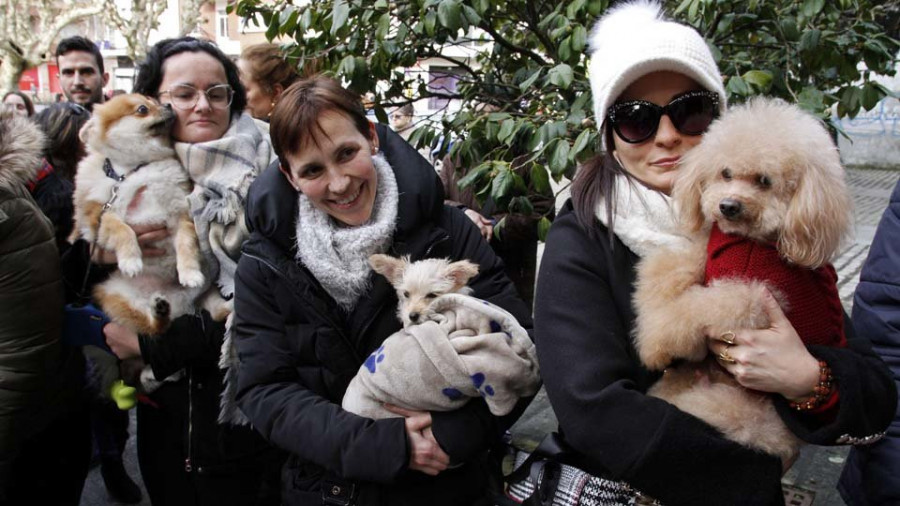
[[544, 478]]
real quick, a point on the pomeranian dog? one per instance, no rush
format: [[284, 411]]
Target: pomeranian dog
[[131, 176], [764, 197], [419, 283]]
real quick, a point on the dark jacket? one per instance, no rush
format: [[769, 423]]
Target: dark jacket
[[596, 385], [872, 474], [40, 379], [298, 351]]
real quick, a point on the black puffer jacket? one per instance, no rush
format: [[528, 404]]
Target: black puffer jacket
[[298, 351]]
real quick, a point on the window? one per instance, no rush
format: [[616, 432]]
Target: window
[[442, 80], [222, 18]]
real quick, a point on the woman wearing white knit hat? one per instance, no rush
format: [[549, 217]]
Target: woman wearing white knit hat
[[656, 90]]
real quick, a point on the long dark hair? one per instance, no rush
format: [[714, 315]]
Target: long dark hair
[[595, 180], [150, 71]]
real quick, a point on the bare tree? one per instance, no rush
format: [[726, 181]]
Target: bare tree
[[28, 29], [136, 25], [191, 16]]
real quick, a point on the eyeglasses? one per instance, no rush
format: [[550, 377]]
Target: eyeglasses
[[185, 96], [637, 120]]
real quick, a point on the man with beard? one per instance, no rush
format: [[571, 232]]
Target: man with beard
[[82, 78], [81, 73]]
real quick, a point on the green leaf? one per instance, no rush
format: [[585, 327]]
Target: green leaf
[[384, 26], [474, 175], [543, 227], [339, 14], [573, 8], [759, 79], [521, 205], [810, 40], [498, 228], [449, 13], [503, 184], [347, 66], [579, 39], [811, 99], [559, 158], [540, 179], [507, 131], [564, 51], [430, 23], [870, 96], [581, 142], [737, 86], [812, 7], [526, 84], [561, 75]]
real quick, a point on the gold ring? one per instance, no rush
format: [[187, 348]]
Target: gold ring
[[725, 357], [727, 337]]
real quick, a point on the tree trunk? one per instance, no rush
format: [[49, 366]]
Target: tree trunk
[[10, 73]]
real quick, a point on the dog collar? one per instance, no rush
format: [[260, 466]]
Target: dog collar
[[110, 173]]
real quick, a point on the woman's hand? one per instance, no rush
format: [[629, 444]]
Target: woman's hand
[[147, 237], [425, 454], [484, 225], [122, 341], [769, 360]]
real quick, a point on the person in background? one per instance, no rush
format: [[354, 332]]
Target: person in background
[[402, 120], [81, 74], [309, 309], [189, 452], [45, 443], [19, 103], [656, 89], [265, 74], [82, 78], [870, 475], [54, 185]]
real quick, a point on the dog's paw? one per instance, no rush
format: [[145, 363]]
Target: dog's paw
[[191, 278], [131, 267]]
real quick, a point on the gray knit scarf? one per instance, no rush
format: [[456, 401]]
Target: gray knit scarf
[[338, 256]]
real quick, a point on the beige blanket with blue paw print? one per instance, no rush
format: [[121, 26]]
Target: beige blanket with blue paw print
[[469, 348]]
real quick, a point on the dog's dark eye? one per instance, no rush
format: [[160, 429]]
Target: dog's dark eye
[[142, 109], [405, 295], [430, 296], [726, 174], [764, 181]]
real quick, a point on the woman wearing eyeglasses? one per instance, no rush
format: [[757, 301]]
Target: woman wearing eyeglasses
[[656, 89], [186, 456]]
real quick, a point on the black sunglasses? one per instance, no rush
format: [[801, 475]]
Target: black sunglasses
[[637, 120]]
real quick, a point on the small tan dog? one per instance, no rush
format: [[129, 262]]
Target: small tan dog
[[419, 283], [131, 176], [764, 197]]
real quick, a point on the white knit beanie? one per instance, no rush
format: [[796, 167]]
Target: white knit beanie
[[634, 39]]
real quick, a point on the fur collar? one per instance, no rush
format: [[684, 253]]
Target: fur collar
[[21, 144]]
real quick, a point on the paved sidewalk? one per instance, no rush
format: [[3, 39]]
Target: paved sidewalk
[[815, 474]]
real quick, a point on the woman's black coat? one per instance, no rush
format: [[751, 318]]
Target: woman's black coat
[[298, 351], [596, 385]]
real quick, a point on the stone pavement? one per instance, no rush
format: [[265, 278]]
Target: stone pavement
[[812, 479]]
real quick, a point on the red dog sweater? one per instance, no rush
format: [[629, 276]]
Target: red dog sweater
[[814, 307]]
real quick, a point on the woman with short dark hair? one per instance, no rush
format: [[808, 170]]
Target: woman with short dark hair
[[309, 309]]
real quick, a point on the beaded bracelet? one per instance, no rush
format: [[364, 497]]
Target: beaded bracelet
[[821, 392]]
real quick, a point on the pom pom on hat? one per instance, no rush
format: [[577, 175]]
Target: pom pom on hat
[[634, 39]]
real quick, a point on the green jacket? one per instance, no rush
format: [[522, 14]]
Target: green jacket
[[38, 378]]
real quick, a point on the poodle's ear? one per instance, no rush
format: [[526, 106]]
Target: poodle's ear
[[461, 272], [819, 214], [688, 191], [389, 267]]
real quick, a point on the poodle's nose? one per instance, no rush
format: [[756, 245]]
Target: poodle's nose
[[413, 317], [730, 208]]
